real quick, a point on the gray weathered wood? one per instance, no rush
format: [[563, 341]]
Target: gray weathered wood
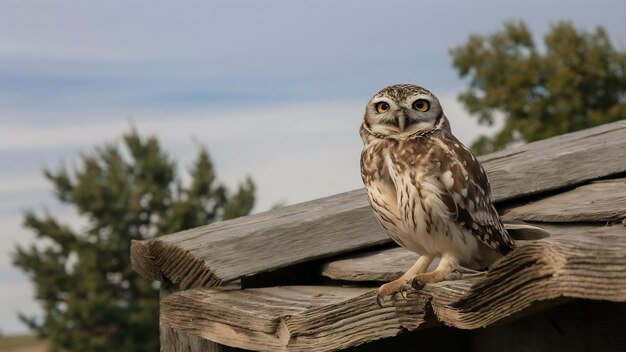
[[210, 255], [599, 201], [389, 264], [585, 262], [377, 265], [228, 250], [172, 340], [294, 318], [557, 162]]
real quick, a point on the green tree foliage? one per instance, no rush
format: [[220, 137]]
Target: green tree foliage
[[91, 298], [575, 81]]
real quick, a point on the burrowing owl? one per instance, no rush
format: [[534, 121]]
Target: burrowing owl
[[427, 190]]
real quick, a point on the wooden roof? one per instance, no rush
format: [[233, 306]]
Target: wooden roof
[[330, 255]]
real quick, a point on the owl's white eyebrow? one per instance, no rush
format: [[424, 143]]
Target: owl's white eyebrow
[[420, 96]]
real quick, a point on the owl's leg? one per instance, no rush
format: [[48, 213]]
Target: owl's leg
[[448, 269], [401, 284]]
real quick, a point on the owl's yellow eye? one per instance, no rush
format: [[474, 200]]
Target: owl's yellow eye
[[382, 107], [421, 105]]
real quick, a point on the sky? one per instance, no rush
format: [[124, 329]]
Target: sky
[[274, 89]]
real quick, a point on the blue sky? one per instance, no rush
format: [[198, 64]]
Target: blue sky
[[274, 89]]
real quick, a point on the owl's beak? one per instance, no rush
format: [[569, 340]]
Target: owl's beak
[[401, 122], [404, 119]]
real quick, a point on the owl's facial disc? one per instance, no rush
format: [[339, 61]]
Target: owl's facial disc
[[411, 114], [402, 111]]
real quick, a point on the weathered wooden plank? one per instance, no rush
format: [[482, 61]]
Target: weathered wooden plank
[[294, 318], [210, 255], [378, 265], [172, 340], [390, 263], [557, 162], [586, 262], [599, 201]]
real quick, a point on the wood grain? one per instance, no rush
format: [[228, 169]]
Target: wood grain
[[586, 262], [390, 263], [599, 201], [377, 265], [292, 318], [557, 162], [578, 262], [224, 251], [175, 340]]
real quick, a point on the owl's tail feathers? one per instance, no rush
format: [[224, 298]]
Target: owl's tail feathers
[[522, 231]]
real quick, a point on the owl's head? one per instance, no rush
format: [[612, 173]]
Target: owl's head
[[403, 110]]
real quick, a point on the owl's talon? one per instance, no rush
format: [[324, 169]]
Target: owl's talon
[[456, 274], [379, 300], [404, 290], [416, 284]]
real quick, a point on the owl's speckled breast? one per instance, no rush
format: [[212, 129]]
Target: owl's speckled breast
[[405, 190]]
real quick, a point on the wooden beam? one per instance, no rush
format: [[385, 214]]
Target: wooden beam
[[172, 340], [290, 318], [390, 263], [585, 262], [229, 250], [377, 265], [563, 161], [224, 251], [598, 201], [579, 261]]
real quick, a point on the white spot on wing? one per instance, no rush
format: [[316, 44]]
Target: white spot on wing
[[447, 179]]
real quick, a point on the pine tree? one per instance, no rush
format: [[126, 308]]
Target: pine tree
[[91, 298], [578, 80]]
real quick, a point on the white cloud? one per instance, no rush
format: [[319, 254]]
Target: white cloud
[[217, 125], [281, 140], [20, 181]]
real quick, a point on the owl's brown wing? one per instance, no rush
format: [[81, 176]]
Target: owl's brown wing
[[467, 194]]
